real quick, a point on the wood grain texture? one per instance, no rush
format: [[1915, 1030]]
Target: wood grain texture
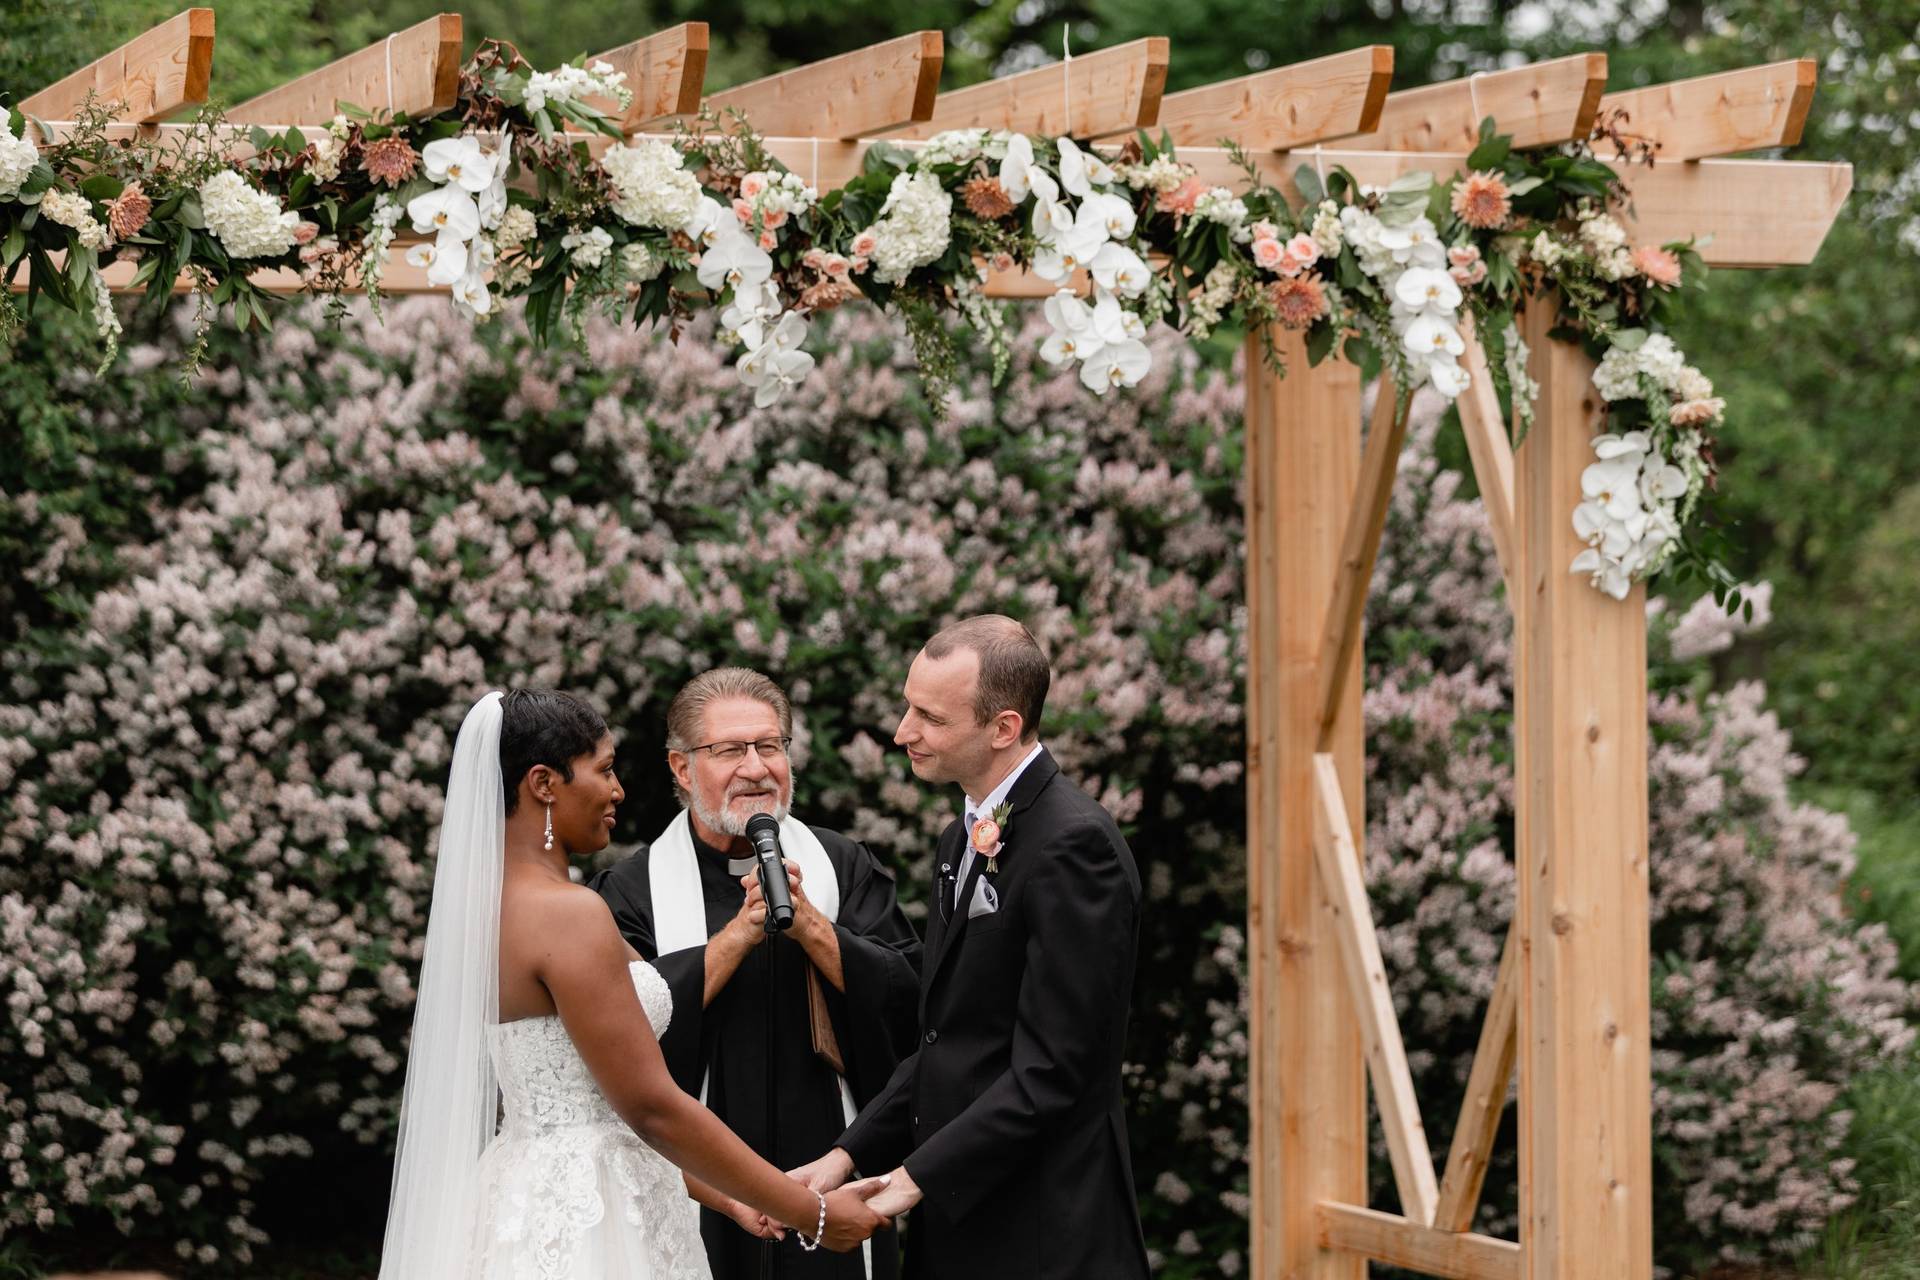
[[1490, 446], [152, 76], [416, 71], [1717, 115], [1338, 860], [1307, 1072], [1359, 548], [1539, 104], [1367, 1233], [872, 90], [1108, 91], [1586, 1163], [666, 71], [1292, 106], [1486, 1098]]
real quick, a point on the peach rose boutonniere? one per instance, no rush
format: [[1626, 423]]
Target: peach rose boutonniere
[[990, 836]]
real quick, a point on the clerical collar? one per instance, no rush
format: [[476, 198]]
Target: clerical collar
[[735, 866]]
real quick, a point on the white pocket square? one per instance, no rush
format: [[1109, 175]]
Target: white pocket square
[[985, 900]]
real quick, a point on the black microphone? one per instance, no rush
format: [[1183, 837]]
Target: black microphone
[[764, 831]]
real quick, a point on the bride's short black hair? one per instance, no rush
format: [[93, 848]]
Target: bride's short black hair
[[542, 726]]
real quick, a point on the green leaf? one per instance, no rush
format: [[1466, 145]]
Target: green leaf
[[1525, 185], [16, 244], [260, 138], [1492, 151], [101, 186], [1320, 341], [191, 215], [1306, 179], [1630, 339]]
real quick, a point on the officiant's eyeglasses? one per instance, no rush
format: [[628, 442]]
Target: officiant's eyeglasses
[[735, 752]]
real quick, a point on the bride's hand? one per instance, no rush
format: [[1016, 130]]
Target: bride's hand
[[849, 1219], [754, 1222]]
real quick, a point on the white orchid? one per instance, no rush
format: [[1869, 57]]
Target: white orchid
[[445, 259], [459, 162], [1069, 252], [778, 364], [447, 210], [1018, 172], [734, 261], [1073, 337], [710, 220], [1114, 214], [1120, 269], [1078, 169], [1052, 219], [1116, 364], [1447, 377], [1427, 288], [1430, 335], [751, 311]]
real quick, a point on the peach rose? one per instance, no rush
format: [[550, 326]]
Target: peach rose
[[753, 184], [1657, 265], [834, 264], [768, 240], [1267, 253], [864, 244], [742, 210]]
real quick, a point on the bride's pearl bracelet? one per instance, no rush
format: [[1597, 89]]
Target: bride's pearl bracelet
[[818, 1231]]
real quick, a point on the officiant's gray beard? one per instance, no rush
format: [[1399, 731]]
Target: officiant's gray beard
[[729, 821]]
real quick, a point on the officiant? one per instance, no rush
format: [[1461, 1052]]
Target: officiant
[[783, 1036]]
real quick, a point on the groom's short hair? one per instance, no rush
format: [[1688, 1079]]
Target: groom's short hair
[[1014, 672]]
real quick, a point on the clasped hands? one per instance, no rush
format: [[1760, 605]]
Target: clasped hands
[[854, 1210]]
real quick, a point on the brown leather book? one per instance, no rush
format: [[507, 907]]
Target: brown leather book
[[825, 1043]]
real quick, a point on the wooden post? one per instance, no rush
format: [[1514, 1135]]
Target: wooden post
[[1308, 1075], [1586, 1163]]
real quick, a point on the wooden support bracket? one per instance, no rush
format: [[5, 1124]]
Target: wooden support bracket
[[1294, 106], [666, 72], [1717, 115], [1539, 104], [869, 91], [1337, 857], [1109, 91], [416, 71], [154, 74], [1382, 1237]]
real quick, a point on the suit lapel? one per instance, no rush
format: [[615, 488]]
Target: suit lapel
[[1025, 791]]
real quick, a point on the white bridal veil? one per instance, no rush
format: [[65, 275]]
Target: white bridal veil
[[448, 1111]]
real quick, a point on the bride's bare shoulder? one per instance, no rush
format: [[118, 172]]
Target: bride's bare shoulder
[[541, 917]]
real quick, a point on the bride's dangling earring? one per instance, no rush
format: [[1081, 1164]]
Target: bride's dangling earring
[[549, 824]]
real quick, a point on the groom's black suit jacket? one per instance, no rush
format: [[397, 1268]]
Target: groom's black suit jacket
[[1008, 1114]]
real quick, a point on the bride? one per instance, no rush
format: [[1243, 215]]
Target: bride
[[534, 1012]]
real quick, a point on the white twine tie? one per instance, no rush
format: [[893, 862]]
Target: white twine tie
[[1473, 96], [1320, 163], [390, 72], [814, 182], [1066, 76]]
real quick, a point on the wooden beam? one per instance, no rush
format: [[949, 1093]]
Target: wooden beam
[[1486, 1099], [1109, 91], [1286, 107], [1717, 115], [1580, 671], [416, 71], [1338, 860], [1306, 1070], [666, 71], [1540, 104], [154, 75], [1382, 1237], [1490, 445], [1359, 547], [869, 91]]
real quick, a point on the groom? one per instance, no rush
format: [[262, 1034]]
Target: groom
[[1006, 1124]]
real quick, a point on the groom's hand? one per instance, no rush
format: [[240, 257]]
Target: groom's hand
[[899, 1194], [826, 1173], [851, 1217]]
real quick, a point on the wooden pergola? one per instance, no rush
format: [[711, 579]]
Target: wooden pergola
[[1570, 1007]]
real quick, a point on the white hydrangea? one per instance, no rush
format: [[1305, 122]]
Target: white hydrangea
[[914, 226], [571, 84], [517, 226], [1603, 234], [71, 209], [17, 158], [588, 248], [639, 263], [954, 146], [651, 184], [248, 223]]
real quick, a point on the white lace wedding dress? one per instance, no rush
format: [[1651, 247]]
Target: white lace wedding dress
[[568, 1190]]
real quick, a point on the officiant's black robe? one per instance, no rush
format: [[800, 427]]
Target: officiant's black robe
[[726, 1043]]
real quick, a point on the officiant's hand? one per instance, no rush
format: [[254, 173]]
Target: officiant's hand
[[750, 922], [826, 1173], [899, 1195], [810, 927], [851, 1217]]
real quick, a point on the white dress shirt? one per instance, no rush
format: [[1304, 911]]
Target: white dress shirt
[[984, 808]]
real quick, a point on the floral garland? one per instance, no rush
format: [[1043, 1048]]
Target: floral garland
[[507, 202]]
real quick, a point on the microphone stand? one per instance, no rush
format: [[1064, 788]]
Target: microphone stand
[[773, 1128]]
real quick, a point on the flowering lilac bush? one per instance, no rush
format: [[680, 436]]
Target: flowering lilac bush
[[244, 624]]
